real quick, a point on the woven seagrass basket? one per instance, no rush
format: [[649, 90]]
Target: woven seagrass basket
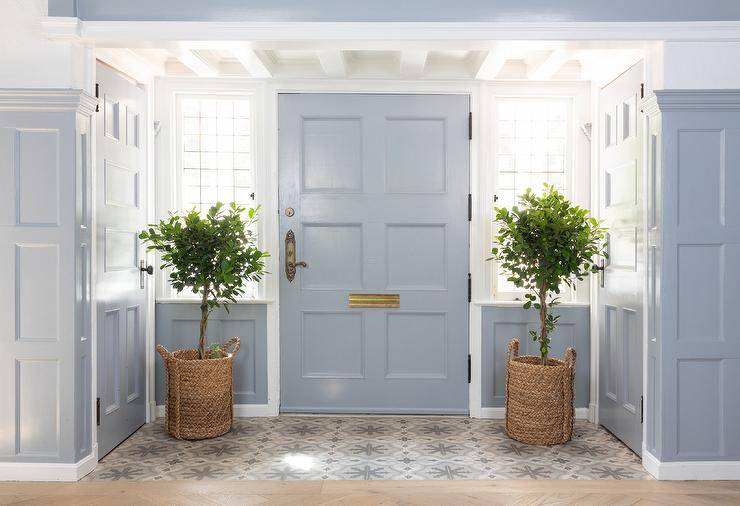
[[199, 392], [539, 398]]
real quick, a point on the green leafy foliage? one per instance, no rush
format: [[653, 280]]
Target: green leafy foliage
[[215, 350], [212, 255], [543, 245]]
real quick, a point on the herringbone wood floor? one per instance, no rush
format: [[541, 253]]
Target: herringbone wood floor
[[527, 492]]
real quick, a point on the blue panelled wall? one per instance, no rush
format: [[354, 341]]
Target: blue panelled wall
[[500, 324], [177, 328]]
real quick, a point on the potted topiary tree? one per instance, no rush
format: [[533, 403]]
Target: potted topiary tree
[[544, 245], [213, 256]]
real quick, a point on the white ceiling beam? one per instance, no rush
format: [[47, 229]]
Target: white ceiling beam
[[256, 65], [413, 63], [200, 66], [545, 68], [138, 66], [333, 63], [492, 64]]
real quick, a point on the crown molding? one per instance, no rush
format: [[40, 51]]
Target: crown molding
[[706, 100], [19, 99], [57, 27], [109, 32]]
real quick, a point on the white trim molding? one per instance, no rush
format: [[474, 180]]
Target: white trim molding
[[240, 410], [704, 100], [45, 100], [46, 471], [500, 413], [110, 32], [690, 470]]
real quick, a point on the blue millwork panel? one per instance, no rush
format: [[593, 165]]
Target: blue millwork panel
[[694, 276], [178, 327], [502, 324]]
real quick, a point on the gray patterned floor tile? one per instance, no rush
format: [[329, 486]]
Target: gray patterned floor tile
[[367, 448]]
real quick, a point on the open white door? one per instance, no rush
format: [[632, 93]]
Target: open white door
[[120, 179], [621, 281]]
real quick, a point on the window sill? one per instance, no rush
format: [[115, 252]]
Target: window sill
[[519, 303], [175, 300]]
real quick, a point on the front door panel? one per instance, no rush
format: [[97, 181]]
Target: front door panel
[[378, 185], [120, 180], [620, 295]]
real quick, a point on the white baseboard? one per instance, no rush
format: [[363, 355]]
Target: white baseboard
[[690, 470], [47, 471], [500, 413], [240, 410]]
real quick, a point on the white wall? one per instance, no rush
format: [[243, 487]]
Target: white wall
[[700, 65], [28, 60]]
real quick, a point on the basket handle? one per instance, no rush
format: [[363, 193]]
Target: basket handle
[[570, 358], [163, 351], [513, 350], [236, 342]]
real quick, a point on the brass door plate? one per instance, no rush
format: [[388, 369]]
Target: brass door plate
[[290, 255], [387, 300]]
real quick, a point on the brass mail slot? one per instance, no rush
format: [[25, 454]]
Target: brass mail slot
[[374, 300]]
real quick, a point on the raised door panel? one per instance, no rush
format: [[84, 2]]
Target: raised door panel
[[416, 158]]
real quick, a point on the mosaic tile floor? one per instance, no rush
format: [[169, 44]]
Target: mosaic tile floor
[[366, 448]]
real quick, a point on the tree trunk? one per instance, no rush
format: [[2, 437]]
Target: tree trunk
[[203, 323], [543, 325]]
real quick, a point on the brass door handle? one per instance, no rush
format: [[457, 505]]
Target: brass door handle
[[290, 263]]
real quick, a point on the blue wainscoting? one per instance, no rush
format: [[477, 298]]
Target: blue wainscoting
[[177, 328], [500, 324]]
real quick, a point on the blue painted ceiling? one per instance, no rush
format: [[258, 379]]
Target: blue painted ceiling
[[399, 10]]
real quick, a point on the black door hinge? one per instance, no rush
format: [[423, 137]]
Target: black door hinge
[[642, 90], [469, 367], [470, 126], [642, 409], [97, 95], [97, 411], [470, 207], [470, 288]]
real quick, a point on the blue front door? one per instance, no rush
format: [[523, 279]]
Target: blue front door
[[375, 190]]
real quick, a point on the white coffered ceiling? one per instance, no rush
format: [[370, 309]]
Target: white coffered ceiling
[[514, 60]]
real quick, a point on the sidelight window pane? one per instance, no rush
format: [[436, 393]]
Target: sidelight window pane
[[532, 138], [214, 140], [215, 155]]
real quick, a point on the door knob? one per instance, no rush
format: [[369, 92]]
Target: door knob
[[143, 267], [601, 268]]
